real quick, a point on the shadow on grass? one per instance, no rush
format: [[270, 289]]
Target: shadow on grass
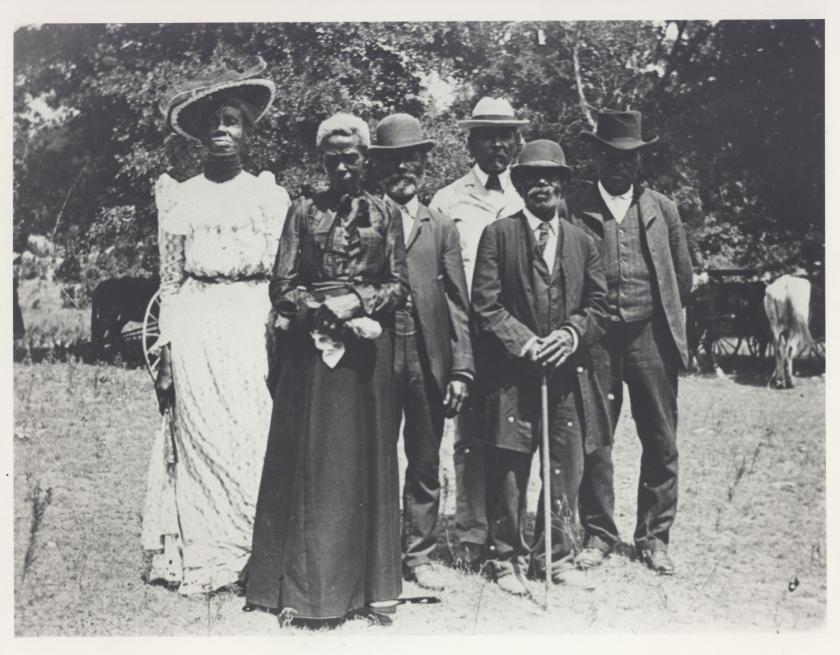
[[755, 371]]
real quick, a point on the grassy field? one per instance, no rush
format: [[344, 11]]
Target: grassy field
[[749, 540]]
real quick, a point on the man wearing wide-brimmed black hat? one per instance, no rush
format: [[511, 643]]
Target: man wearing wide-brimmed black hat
[[538, 300], [433, 362], [648, 268]]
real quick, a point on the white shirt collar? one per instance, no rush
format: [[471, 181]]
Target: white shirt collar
[[607, 196], [413, 206], [534, 222], [504, 177]]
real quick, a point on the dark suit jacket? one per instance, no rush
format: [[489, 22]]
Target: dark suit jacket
[[439, 291], [504, 315], [663, 236]]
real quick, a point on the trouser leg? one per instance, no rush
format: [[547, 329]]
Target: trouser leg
[[566, 468], [597, 495], [470, 483], [507, 494], [651, 366], [422, 436]]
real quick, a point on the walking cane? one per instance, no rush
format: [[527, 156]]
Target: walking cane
[[546, 467]]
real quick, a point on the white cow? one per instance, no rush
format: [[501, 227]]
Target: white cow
[[786, 302]]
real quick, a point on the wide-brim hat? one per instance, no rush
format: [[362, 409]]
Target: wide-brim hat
[[621, 130], [492, 112], [543, 154], [399, 132], [182, 108]]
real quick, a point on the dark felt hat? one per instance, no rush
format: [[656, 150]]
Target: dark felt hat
[[541, 153], [621, 130], [182, 107], [398, 132]]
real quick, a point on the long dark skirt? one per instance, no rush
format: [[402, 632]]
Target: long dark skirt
[[326, 534]]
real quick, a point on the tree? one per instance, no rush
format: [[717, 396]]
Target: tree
[[739, 105]]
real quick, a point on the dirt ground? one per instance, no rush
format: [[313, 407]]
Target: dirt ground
[[749, 542]]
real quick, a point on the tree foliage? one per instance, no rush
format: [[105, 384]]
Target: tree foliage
[[739, 104]]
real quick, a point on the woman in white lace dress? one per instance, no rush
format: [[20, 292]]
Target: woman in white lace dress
[[218, 235]]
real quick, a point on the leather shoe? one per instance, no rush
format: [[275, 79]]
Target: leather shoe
[[510, 580], [427, 576], [571, 577], [656, 558], [468, 556], [590, 557]]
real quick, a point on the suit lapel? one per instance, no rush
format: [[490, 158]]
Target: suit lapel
[[564, 255], [647, 208], [422, 217], [525, 257], [592, 210]]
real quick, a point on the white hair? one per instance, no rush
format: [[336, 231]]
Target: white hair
[[345, 125]]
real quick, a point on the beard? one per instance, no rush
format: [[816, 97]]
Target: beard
[[401, 187]]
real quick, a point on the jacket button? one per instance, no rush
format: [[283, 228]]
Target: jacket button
[[610, 396], [569, 424], [511, 419], [580, 369], [556, 471]]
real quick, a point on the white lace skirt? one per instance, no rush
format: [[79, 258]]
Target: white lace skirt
[[199, 511]]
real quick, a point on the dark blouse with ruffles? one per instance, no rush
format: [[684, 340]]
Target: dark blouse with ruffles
[[355, 241]]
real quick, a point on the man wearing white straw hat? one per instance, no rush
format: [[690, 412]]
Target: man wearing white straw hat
[[474, 201]]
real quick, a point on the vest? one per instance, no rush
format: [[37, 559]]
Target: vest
[[630, 282], [549, 301]]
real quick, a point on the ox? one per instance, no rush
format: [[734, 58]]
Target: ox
[[787, 303], [114, 303]]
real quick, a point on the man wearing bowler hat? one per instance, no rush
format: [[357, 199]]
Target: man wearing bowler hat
[[433, 361], [538, 301], [648, 269], [473, 201]]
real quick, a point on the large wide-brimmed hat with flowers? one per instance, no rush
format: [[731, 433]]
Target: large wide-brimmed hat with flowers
[[621, 130], [492, 112], [182, 107]]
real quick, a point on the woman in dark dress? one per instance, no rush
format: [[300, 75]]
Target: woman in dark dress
[[327, 537]]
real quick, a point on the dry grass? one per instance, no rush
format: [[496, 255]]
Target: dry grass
[[751, 521]]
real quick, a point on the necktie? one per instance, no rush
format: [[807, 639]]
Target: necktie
[[493, 183], [542, 239]]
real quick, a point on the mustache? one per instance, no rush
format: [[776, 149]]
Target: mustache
[[402, 177]]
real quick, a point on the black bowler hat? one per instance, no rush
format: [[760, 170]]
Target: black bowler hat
[[398, 132], [621, 130], [542, 153]]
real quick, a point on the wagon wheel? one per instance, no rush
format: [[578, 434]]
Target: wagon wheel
[[726, 346], [151, 333], [756, 347], [818, 349]]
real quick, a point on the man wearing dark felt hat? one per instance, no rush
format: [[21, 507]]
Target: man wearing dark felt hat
[[538, 302], [648, 268], [433, 361]]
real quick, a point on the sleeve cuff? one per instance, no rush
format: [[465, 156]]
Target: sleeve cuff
[[464, 376], [527, 346], [574, 335]]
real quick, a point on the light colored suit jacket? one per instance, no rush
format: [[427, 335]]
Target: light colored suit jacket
[[473, 208]]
